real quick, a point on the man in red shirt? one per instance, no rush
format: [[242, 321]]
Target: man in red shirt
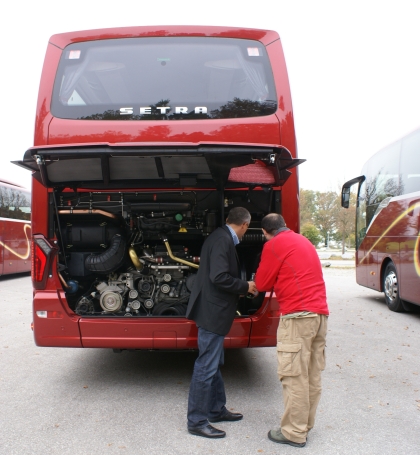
[[290, 265]]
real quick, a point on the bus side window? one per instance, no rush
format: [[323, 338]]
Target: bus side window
[[410, 163], [361, 215], [14, 204]]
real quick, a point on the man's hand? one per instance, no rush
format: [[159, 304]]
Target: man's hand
[[252, 289]]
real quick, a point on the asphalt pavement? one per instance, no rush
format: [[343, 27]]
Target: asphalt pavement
[[93, 402]]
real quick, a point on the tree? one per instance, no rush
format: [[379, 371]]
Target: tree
[[345, 220], [321, 215], [325, 216], [310, 231], [307, 206]]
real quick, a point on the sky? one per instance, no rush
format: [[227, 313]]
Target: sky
[[353, 68]]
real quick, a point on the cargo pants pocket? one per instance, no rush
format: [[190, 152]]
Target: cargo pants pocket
[[288, 356], [322, 361]]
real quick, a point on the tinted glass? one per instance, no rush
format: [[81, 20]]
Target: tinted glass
[[361, 215], [15, 203], [382, 179], [410, 163], [164, 79]]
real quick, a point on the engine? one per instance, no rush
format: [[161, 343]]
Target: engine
[[161, 287], [137, 254]]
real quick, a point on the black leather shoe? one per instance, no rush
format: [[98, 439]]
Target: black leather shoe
[[227, 417], [207, 432]]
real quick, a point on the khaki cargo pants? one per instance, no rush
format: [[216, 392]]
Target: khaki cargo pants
[[301, 358]]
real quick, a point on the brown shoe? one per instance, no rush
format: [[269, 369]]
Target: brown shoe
[[278, 436]]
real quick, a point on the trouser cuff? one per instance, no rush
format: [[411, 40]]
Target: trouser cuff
[[292, 438]]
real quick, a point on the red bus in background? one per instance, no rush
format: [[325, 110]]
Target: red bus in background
[[388, 222], [145, 138], [15, 228]]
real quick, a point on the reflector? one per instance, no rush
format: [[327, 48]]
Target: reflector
[[42, 254], [39, 261]]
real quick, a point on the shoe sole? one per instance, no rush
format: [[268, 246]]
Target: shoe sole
[[225, 420], [206, 436], [291, 443]]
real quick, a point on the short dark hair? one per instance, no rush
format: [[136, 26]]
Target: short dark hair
[[238, 215], [272, 222]]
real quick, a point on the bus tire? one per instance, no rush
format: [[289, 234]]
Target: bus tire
[[391, 289]]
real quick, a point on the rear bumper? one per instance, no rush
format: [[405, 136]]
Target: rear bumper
[[59, 328]]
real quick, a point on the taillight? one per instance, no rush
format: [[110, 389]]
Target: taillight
[[42, 255]]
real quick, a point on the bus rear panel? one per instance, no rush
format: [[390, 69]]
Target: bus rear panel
[[145, 138]]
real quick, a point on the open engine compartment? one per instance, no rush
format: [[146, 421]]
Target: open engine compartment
[[136, 254], [130, 219]]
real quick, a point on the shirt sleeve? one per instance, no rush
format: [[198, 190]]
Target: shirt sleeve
[[268, 269]]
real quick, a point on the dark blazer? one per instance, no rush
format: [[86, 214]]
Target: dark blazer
[[212, 303]]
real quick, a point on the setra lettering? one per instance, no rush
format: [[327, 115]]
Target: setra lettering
[[147, 110]]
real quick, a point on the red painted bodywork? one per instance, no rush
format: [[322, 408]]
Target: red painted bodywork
[[393, 236], [15, 235], [64, 328], [15, 254]]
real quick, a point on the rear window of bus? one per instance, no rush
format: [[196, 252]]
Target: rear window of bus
[[164, 78]]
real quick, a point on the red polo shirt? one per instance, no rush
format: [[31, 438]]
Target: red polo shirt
[[290, 264]]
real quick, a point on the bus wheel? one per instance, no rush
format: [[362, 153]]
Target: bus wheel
[[391, 290]]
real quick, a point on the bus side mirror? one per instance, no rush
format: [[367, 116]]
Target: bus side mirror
[[345, 191], [345, 197]]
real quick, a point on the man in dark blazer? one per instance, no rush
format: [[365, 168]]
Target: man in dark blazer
[[212, 305]]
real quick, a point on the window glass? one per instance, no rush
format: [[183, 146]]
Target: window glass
[[164, 79], [382, 179], [410, 163], [15, 203], [361, 215]]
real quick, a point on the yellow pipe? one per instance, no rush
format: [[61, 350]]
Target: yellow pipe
[[134, 258], [183, 261]]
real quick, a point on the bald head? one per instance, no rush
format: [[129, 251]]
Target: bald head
[[272, 222]]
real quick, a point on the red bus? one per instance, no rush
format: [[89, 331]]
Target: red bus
[[15, 228], [145, 138], [388, 222]]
